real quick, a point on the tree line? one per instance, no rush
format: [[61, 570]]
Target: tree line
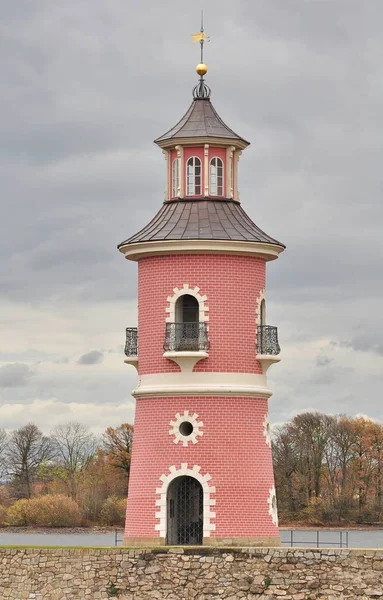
[[71, 462], [329, 469]]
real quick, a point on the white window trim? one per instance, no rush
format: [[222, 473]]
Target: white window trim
[[185, 418], [272, 502], [266, 430], [223, 177], [186, 289], [258, 306], [176, 177], [208, 501], [194, 158]]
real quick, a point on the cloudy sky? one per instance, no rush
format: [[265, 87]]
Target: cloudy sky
[[85, 88]]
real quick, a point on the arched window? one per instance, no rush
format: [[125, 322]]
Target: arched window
[[187, 326], [216, 177], [194, 176], [175, 177], [263, 312], [187, 309]]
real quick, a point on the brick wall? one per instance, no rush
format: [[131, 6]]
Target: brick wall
[[231, 284], [232, 450]]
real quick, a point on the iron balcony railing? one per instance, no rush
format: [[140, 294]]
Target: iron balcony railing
[[131, 344], [267, 340], [181, 337]]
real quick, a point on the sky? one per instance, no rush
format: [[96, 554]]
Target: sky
[[84, 89]]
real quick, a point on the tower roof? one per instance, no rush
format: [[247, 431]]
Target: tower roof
[[201, 121], [201, 220]]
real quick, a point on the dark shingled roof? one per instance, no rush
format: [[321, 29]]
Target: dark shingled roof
[[201, 120], [201, 220]]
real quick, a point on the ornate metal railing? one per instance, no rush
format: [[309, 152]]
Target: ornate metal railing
[[131, 344], [186, 336], [267, 340]]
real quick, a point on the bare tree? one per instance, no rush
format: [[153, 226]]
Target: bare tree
[[74, 447], [26, 450], [3, 446], [118, 446]]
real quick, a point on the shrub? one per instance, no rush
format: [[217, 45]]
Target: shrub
[[3, 515], [53, 511], [17, 513], [113, 511]]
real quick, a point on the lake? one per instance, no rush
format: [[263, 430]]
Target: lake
[[304, 538]]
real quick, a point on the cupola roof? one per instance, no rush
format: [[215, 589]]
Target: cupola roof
[[201, 220], [201, 121]]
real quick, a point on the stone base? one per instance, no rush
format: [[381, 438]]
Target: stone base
[[244, 542], [143, 542]]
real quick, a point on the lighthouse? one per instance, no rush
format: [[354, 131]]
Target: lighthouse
[[201, 469]]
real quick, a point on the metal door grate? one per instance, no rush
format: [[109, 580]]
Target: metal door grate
[[185, 509]]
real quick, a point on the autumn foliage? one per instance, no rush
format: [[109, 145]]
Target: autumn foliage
[[69, 478], [329, 469]]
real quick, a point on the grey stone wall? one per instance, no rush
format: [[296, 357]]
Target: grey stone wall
[[201, 573]]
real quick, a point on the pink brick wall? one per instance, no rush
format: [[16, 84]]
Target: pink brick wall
[[232, 450], [188, 152], [231, 284]]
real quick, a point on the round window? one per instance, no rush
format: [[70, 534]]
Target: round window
[[186, 428]]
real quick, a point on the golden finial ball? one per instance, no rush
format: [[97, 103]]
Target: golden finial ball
[[201, 69]]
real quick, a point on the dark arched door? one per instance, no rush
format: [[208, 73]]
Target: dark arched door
[[184, 512]]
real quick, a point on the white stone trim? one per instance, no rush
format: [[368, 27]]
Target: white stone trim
[[267, 360], [186, 418], [272, 502], [261, 297], [213, 141], [236, 158], [206, 174], [229, 172], [186, 360], [166, 154], [180, 156], [139, 250], [186, 289], [208, 502], [186, 383], [266, 430]]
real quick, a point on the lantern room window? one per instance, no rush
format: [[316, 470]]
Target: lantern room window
[[216, 177], [176, 177], [193, 167]]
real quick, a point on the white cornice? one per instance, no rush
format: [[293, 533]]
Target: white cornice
[[138, 250], [200, 141], [201, 383]]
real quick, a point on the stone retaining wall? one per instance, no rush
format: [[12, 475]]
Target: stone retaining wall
[[183, 574]]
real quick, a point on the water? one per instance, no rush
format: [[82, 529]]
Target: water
[[305, 538], [58, 539], [331, 539]]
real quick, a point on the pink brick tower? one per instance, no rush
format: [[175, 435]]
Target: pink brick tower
[[201, 468]]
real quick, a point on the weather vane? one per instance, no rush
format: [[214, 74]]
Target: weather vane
[[201, 37], [201, 90]]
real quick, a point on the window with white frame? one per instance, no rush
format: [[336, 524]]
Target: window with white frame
[[175, 177], [216, 177], [193, 176]]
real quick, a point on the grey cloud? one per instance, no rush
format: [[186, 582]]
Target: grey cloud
[[323, 360], [364, 343], [15, 375], [94, 357]]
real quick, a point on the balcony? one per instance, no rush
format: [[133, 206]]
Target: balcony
[[268, 349], [186, 343], [131, 346]]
